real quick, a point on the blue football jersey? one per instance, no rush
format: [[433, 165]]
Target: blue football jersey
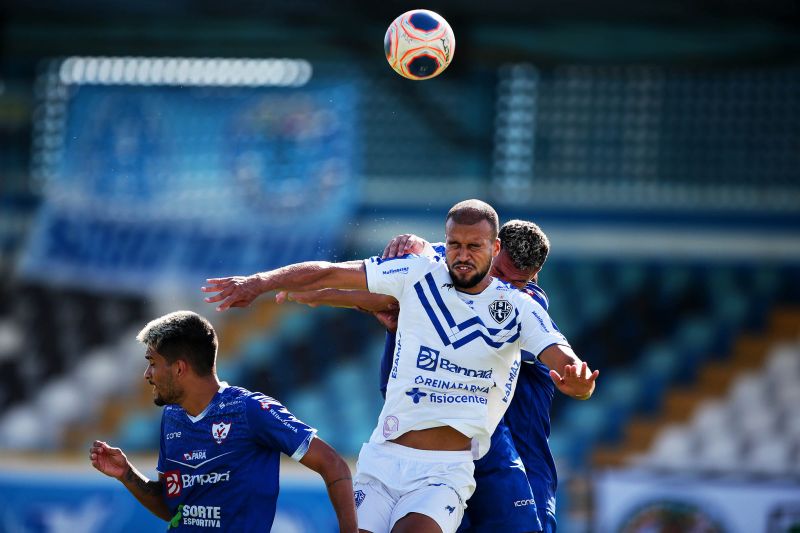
[[528, 419], [221, 466]]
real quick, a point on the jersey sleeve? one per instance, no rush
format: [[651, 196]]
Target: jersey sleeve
[[161, 465], [393, 276], [538, 331], [275, 427]]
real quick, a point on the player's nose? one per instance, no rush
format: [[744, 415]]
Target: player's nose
[[463, 254]]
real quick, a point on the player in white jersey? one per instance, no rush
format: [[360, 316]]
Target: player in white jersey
[[460, 335]]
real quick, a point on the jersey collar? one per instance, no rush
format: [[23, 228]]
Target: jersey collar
[[222, 386]]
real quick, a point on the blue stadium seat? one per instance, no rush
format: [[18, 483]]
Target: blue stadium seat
[[140, 432], [658, 366]]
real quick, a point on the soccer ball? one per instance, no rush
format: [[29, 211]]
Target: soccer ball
[[419, 44]]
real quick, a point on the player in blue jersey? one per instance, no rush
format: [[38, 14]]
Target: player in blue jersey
[[220, 445], [507, 498], [462, 332]]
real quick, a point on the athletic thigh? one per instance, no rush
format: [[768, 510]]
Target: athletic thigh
[[438, 501]]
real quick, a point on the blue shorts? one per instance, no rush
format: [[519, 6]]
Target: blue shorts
[[503, 500]]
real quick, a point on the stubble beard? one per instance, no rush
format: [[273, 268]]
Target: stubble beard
[[469, 282], [170, 397]]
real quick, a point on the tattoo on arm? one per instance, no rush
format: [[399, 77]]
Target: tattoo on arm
[[335, 481], [148, 487]]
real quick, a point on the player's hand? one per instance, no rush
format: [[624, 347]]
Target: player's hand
[[308, 298], [577, 381], [406, 243], [108, 460], [233, 291], [388, 318]]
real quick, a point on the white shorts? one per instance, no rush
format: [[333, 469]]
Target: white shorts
[[392, 481]]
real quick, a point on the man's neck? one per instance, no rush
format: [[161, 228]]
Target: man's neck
[[200, 395], [479, 288]]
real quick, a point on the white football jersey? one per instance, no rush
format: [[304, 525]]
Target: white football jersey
[[457, 355]]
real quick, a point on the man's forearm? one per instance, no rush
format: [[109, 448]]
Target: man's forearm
[[149, 493], [313, 275], [356, 299], [340, 492]]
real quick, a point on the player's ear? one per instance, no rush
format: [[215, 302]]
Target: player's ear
[[496, 248], [181, 367]]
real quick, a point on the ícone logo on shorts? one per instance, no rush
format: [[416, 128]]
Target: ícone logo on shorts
[[427, 359], [220, 431], [449, 508], [500, 310], [359, 495]]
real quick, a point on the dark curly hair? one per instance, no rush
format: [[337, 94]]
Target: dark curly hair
[[526, 244]]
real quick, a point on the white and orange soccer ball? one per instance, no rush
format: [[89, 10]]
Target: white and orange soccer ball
[[419, 44]]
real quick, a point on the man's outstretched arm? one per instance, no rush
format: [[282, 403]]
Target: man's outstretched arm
[[240, 291], [113, 463]]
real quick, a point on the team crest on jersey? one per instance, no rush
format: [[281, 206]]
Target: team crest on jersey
[[500, 310], [220, 431]]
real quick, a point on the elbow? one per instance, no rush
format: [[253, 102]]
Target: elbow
[[335, 468]]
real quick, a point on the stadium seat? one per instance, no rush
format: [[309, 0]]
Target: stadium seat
[[711, 417], [62, 401], [772, 455], [672, 449], [719, 452], [140, 431], [21, 429]]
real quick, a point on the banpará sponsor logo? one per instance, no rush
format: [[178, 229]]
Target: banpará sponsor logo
[[446, 364], [428, 359], [194, 455], [202, 515], [173, 480], [449, 385], [205, 479], [509, 386]]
